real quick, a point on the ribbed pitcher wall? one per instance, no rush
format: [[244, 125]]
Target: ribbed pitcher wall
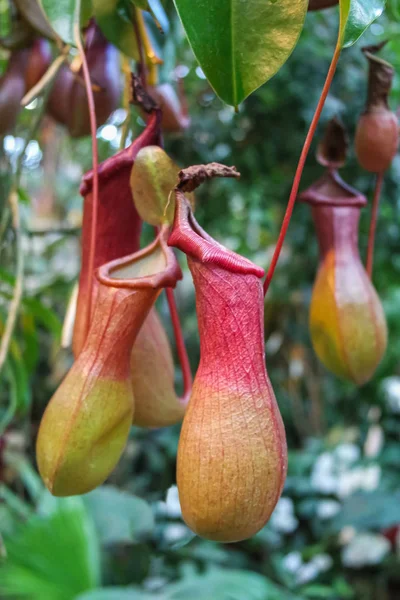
[[232, 450], [85, 426]]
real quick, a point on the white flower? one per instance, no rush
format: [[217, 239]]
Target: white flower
[[361, 478], [283, 518], [374, 442], [326, 509], [172, 502], [347, 453], [365, 549], [323, 561], [390, 387], [322, 476], [174, 532], [307, 573], [292, 562], [371, 478]]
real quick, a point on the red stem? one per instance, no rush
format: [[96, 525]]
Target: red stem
[[142, 58], [95, 162], [372, 226], [182, 98], [300, 167], [180, 343]]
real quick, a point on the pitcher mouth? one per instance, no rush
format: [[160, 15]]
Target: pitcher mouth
[[124, 158], [188, 236], [331, 190], [152, 267]]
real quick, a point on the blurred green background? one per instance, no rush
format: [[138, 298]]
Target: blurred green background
[[334, 534]]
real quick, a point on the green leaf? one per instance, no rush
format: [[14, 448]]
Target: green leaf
[[23, 196], [44, 315], [218, 584], [366, 511], [241, 44], [34, 14], [55, 558], [22, 388], [143, 4], [114, 17], [224, 584], [119, 516], [62, 17], [119, 593], [355, 17]]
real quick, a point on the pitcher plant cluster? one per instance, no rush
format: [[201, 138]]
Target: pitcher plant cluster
[[232, 454]]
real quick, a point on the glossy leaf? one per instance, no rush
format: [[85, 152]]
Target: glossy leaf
[[219, 584], [143, 4], [33, 12], [114, 17], [355, 17], [240, 45], [131, 519], [61, 15], [66, 569]]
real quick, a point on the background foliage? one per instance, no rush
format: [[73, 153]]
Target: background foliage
[[334, 533]]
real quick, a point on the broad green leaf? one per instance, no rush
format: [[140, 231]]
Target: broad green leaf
[[216, 584], [119, 593], [226, 584], [61, 15], [44, 315], [19, 371], [241, 44], [114, 17], [5, 18], [119, 516], [366, 511], [55, 557], [355, 17], [33, 12]]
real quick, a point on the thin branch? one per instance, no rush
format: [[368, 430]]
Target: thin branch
[[13, 206], [126, 103], [300, 167], [46, 79], [95, 159], [19, 279], [373, 222], [142, 57]]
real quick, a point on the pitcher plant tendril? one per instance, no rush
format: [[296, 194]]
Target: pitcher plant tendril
[[95, 155], [300, 167], [369, 263]]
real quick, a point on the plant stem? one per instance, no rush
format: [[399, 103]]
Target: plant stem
[[13, 206], [19, 279], [180, 343], [300, 166], [126, 104], [142, 57], [372, 226], [95, 158], [47, 78]]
